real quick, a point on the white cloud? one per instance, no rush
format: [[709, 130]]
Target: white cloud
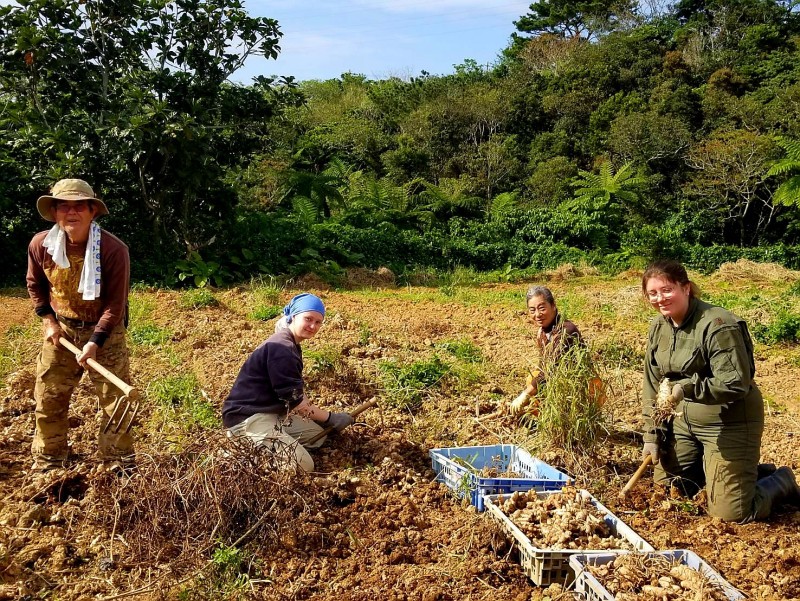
[[318, 45]]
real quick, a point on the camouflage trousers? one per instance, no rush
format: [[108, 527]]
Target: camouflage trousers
[[57, 375]]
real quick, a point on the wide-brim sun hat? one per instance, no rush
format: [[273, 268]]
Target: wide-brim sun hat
[[69, 190]]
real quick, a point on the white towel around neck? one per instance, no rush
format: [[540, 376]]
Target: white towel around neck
[[56, 244]]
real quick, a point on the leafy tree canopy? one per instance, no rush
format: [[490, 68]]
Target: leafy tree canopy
[[569, 18]]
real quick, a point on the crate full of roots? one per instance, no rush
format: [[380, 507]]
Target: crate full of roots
[[662, 576], [474, 472], [550, 526]]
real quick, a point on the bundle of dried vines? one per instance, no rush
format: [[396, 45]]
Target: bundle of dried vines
[[178, 505]]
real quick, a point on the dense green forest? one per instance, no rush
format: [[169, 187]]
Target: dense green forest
[[606, 132]]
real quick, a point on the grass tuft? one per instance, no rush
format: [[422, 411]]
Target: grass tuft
[[197, 298], [406, 385], [182, 401], [570, 413]]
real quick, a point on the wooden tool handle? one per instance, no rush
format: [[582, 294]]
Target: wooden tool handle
[[360, 409], [635, 478], [127, 389]]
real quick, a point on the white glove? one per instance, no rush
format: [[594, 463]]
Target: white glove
[[518, 404], [651, 448]]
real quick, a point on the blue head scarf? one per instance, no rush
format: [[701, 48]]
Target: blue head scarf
[[302, 303]]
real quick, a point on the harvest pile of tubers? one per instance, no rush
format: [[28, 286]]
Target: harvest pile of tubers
[[634, 576], [562, 520], [664, 407]]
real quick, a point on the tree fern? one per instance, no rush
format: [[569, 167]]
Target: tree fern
[[596, 191], [788, 193], [305, 209], [502, 204]]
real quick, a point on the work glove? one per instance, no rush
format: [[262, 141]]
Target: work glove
[[677, 394], [650, 448], [338, 420], [518, 404]]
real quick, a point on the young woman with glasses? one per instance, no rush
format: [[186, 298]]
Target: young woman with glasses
[[713, 439]]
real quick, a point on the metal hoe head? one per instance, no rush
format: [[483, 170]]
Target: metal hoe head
[[122, 416]]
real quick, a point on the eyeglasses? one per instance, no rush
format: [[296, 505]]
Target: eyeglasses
[[79, 206], [654, 295]]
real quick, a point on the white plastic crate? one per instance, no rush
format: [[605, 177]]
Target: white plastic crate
[[592, 590], [549, 566], [534, 474]]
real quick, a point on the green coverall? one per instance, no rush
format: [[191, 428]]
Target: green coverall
[[716, 440]]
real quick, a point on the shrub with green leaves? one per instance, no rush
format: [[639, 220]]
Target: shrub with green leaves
[[197, 298], [784, 328], [406, 385], [570, 414]]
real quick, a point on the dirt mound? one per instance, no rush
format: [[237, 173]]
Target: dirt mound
[[568, 271], [311, 281], [359, 277]]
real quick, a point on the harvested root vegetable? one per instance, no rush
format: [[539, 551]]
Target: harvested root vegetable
[[493, 472], [664, 407], [644, 576], [562, 520]]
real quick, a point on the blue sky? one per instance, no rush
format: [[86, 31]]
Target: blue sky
[[324, 38]]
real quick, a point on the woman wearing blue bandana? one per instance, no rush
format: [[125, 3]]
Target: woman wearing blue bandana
[[267, 403]]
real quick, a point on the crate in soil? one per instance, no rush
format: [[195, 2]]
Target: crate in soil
[[549, 566], [529, 473], [592, 589]]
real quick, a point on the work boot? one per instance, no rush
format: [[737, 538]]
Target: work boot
[[780, 487], [765, 469]]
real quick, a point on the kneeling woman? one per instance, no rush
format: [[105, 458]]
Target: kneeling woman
[[267, 403], [555, 335], [713, 438]]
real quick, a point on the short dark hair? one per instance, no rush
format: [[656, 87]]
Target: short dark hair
[[672, 271], [542, 291]]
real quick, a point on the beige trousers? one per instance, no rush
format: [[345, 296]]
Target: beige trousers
[[57, 375], [284, 436]]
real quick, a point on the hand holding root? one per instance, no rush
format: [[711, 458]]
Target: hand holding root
[[667, 400], [517, 406]]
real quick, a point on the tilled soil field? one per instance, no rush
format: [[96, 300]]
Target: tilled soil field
[[198, 519]]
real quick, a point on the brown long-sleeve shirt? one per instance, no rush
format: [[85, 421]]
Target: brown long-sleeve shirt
[[54, 290]]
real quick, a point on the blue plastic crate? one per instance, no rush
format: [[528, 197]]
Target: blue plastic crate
[[535, 474], [592, 590], [549, 566]]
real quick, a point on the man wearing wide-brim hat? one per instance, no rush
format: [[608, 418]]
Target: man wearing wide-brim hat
[[78, 279]]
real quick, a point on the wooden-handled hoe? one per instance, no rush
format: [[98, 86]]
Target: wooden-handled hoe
[[125, 408], [358, 410], [635, 478]]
